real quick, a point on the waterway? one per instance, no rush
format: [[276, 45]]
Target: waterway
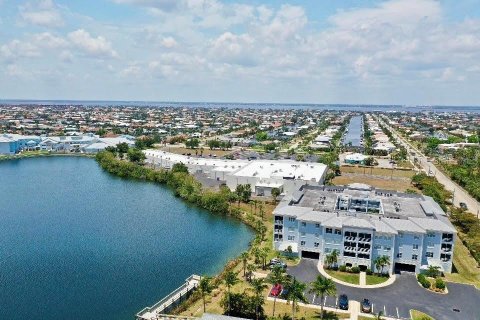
[[79, 243], [354, 133]]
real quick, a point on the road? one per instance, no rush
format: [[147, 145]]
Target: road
[[461, 303], [459, 194]]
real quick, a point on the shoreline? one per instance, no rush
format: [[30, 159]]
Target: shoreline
[[134, 171], [41, 155], [228, 266]]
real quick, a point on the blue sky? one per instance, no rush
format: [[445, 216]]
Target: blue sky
[[367, 52]]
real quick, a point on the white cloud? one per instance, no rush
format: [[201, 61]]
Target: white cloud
[[169, 42], [18, 49], [44, 13], [97, 47]]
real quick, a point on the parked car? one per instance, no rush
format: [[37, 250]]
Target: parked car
[[277, 262], [343, 302], [463, 205], [366, 306], [276, 290]]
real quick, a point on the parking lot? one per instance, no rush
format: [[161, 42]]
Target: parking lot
[[404, 294]]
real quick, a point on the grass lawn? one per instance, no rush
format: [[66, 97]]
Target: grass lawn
[[378, 171], [465, 267], [353, 278], [374, 279], [397, 184], [417, 315]]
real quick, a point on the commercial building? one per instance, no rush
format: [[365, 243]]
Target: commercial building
[[14, 143], [262, 175], [362, 223]]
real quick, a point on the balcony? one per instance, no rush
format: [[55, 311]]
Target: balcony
[[278, 230], [278, 221], [367, 240], [447, 239], [349, 238]]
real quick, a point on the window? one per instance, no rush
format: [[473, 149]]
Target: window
[[291, 219], [377, 246], [291, 238], [328, 250], [414, 257], [338, 231], [429, 254], [303, 234], [317, 235], [316, 244], [399, 255], [431, 235], [415, 247], [387, 248], [317, 225], [400, 235], [291, 229], [416, 237], [430, 244], [304, 224], [328, 230], [302, 243]]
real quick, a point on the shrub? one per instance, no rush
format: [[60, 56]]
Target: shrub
[[355, 270], [439, 284], [342, 268], [369, 272], [423, 281]]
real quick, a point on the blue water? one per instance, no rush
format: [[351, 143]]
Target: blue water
[[337, 107], [78, 243], [354, 133]]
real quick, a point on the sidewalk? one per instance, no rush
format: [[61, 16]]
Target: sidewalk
[[364, 285]]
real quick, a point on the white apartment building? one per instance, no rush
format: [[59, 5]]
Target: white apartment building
[[262, 175], [363, 223]]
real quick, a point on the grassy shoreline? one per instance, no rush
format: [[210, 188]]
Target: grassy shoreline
[[39, 154]]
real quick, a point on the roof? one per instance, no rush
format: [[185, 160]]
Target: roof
[[404, 225], [433, 225]]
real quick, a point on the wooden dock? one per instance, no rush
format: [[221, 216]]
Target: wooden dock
[[160, 309]]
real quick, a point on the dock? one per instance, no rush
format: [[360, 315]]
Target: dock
[[161, 308]]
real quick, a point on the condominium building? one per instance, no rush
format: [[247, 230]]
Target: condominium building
[[362, 223]]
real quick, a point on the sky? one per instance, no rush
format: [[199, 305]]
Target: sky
[[409, 52]]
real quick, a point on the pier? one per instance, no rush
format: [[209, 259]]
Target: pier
[[160, 309]]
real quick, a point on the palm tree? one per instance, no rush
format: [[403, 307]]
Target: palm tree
[[250, 269], [433, 271], [261, 210], [296, 294], [322, 287], [277, 276], [378, 264], [275, 192], [258, 286], [263, 256], [205, 287], [230, 280], [384, 261], [256, 254], [244, 257], [332, 258]]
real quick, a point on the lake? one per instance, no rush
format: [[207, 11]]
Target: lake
[[79, 243]]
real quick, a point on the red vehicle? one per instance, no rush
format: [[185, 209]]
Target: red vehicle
[[276, 290]]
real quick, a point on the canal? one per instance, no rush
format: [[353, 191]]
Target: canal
[[355, 132]]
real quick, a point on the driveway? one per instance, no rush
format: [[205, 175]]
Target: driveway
[[404, 294]]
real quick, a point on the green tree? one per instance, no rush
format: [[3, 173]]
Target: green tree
[[277, 276], [275, 193], [296, 293], [192, 143], [258, 286], [122, 148], [230, 280], [179, 167], [244, 256], [322, 287], [136, 155], [205, 287]]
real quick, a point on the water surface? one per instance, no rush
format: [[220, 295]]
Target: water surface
[[78, 243]]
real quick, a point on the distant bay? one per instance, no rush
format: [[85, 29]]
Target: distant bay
[[233, 105], [78, 243]]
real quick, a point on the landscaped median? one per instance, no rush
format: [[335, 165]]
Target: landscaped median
[[417, 315], [352, 277]]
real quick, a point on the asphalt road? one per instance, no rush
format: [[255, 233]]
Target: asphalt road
[[460, 195], [404, 294]]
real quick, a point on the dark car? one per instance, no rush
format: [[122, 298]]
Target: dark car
[[463, 205], [343, 302], [276, 290], [277, 262], [366, 306]]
